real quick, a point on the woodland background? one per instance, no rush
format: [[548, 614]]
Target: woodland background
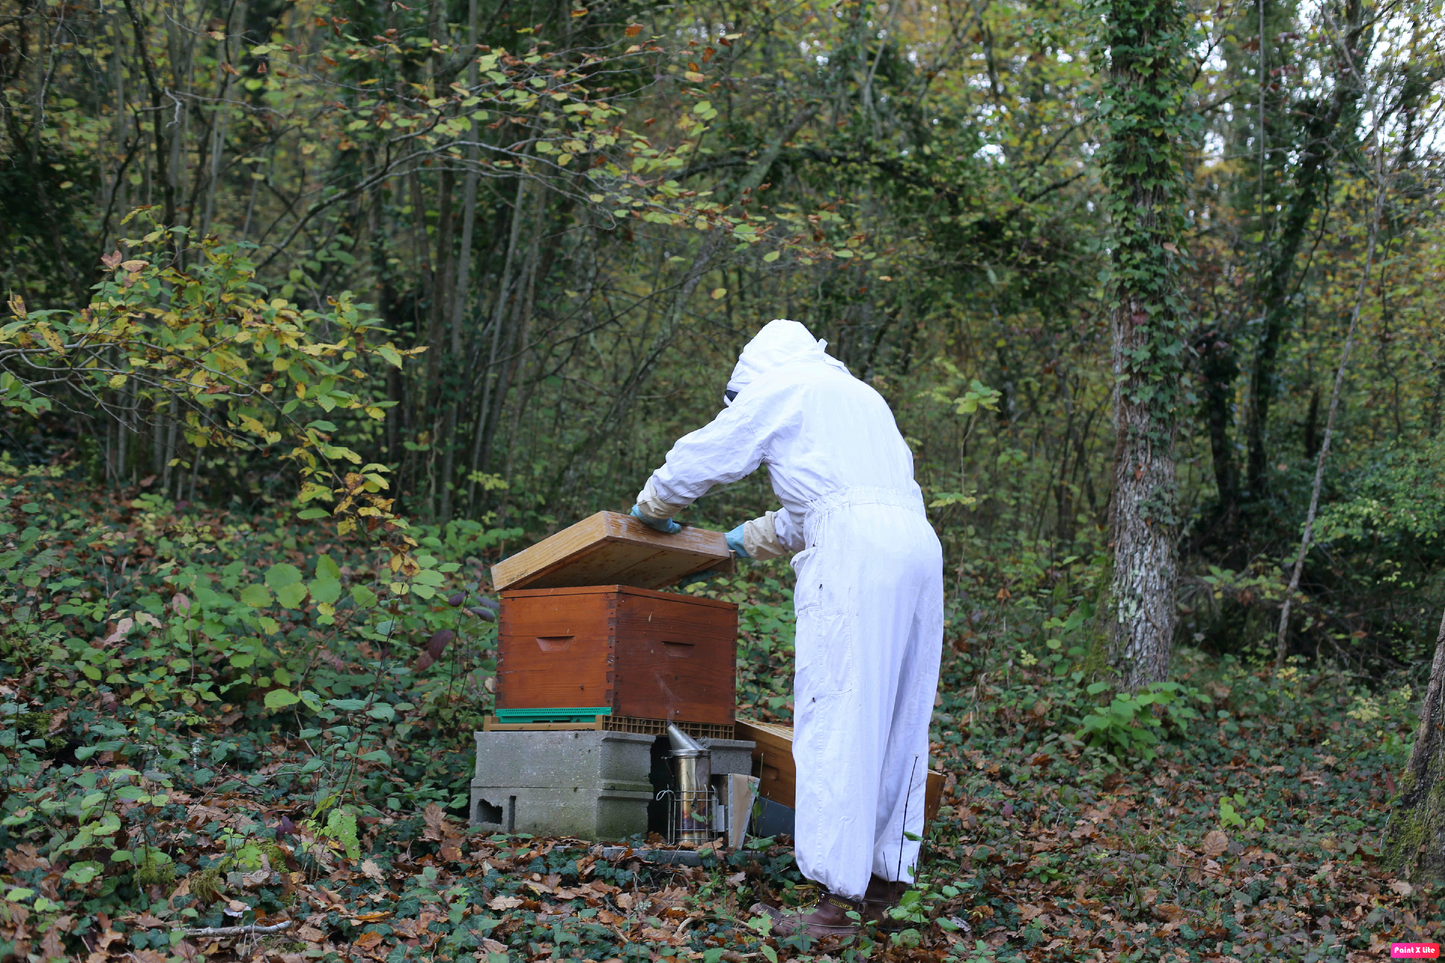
[[317, 308]]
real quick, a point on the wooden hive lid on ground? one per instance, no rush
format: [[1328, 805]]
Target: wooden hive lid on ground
[[610, 548], [773, 752]]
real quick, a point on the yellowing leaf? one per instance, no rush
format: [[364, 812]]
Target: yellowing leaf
[[52, 339]]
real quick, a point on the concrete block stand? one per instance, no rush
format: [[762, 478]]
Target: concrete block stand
[[587, 783], [730, 756]]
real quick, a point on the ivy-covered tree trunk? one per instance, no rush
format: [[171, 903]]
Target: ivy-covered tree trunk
[[1415, 834], [1148, 130]]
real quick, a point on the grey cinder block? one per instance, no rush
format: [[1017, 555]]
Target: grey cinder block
[[563, 758], [587, 783], [596, 816], [730, 756]]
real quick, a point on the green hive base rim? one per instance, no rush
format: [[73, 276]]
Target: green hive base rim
[[562, 714]]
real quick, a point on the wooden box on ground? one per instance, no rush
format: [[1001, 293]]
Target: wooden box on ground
[[609, 548], [643, 654], [773, 759]]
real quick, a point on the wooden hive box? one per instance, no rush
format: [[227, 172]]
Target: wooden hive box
[[773, 758], [635, 652], [609, 548]]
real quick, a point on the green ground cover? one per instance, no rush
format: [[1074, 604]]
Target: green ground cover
[[217, 719]]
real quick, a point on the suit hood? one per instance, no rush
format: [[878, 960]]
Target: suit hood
[[778, 344]]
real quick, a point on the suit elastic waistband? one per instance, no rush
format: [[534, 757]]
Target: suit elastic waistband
[[825, 505]]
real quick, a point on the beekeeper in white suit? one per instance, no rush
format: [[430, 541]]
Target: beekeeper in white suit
[[869, 601]]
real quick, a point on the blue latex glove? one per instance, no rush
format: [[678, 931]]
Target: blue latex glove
[[735, 542], [664, 525]]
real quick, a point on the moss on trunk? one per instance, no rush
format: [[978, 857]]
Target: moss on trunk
[[1414, 843]]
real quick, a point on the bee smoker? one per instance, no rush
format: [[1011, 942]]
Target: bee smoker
[[692, 805]]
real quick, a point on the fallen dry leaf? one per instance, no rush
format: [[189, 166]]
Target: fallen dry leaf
[[503, 902], [1215, 842], [372, 917], [1168, 912], [261, 877], [121, 628]]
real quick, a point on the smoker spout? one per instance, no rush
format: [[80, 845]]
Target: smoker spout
[[682, 743]]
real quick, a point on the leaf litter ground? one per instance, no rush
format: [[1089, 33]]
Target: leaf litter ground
[[1250, 835]]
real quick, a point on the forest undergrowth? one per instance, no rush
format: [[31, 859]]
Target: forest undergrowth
[[219, 720]]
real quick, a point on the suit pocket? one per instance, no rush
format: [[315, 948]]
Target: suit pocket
[[823, 652]]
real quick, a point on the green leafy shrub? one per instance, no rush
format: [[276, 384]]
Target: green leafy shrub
[[1132, 725]]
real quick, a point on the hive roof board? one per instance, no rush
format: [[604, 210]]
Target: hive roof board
[[609, 548]]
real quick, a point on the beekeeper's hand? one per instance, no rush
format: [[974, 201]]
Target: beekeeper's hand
[[735, 542], [664, 525]]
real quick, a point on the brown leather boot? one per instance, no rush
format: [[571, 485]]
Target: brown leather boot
[[880, 897], [828, 918]]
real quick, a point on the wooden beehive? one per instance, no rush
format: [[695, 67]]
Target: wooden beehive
[[773, 760], [639, 653], [609, 548]]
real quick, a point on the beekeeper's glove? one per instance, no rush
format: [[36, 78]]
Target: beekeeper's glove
[[735, 542], [664, 525]]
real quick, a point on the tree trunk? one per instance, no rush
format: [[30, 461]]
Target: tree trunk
[[1415, 833], [162, 176], [1143, 164], [1377, 212], [460, 289], [1218, 370], [1311, 187]]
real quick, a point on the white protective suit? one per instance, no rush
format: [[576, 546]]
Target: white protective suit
[[869, 596]]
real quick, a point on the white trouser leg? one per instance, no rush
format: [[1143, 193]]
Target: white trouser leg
[[862, 671], [836, 754], [904, 781]]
